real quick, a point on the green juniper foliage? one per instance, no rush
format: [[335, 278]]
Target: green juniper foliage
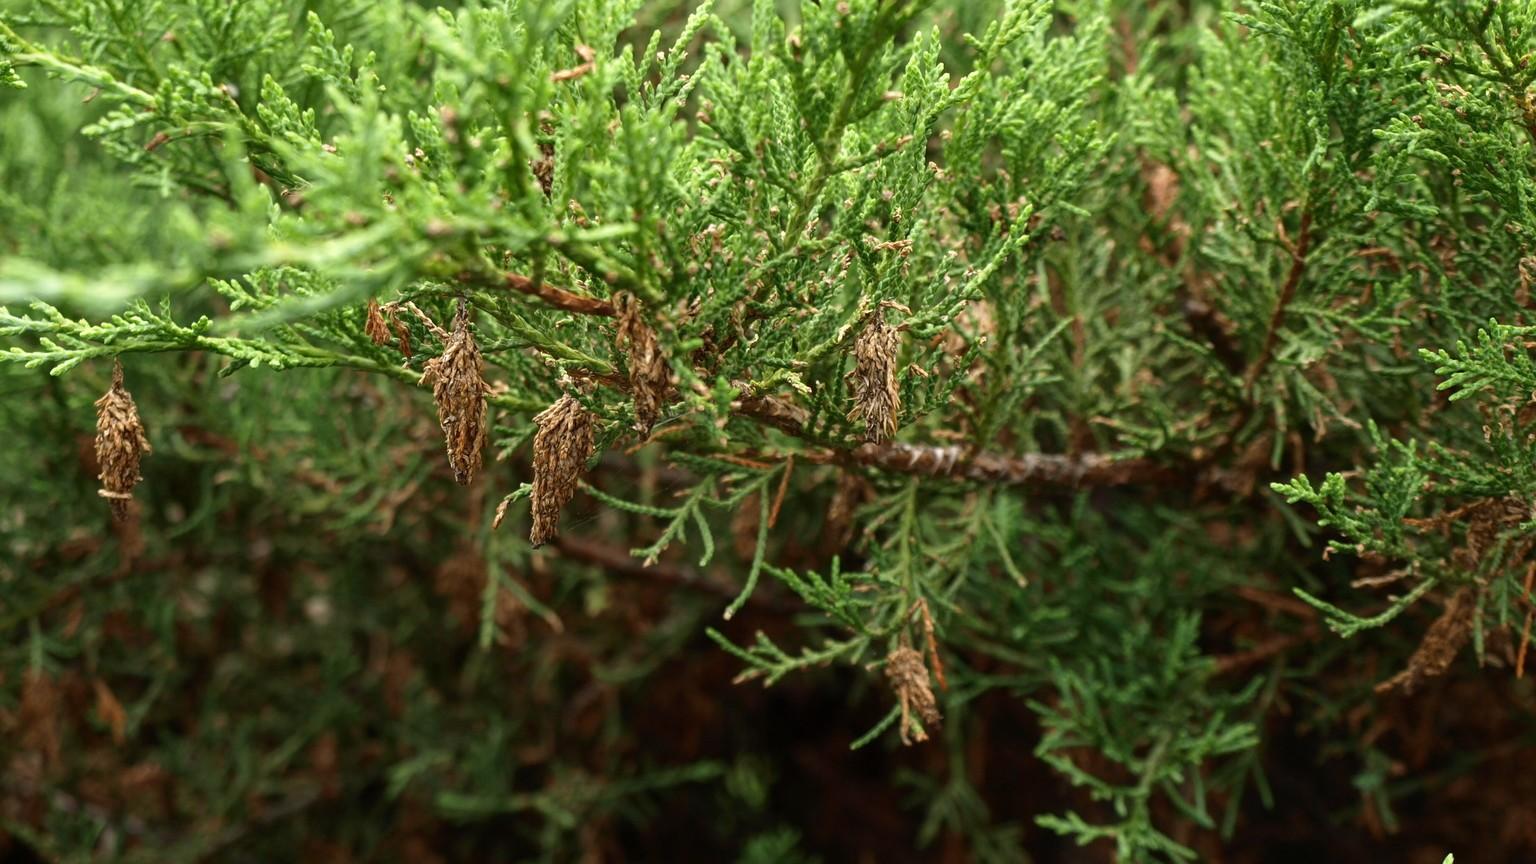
[[1093, 350]]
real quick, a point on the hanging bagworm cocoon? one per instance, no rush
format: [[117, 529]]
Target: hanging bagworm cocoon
[[460, 395], [648, 376], [875, 397], [374, 326], [120, 443], [561, 449], [908, 675]]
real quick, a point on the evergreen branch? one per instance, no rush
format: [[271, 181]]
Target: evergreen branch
[[1509, 75], [23, 53], [579, 248], [875, 731], [1347, 624], [827, 166], [835, 169], [540, 338], [758, 550], [771, 663]]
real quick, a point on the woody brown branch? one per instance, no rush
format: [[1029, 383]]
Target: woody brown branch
[[958, 463], [1287, 293], [559, 298]]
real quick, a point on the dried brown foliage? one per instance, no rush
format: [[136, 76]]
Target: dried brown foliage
[[41, 717], [1487, 521], [1492, 542], [374, 326], [875, 397], [1527, 270], [382, 321], [908, 676], [110, 711], [648, 376], [1441, 644], [561, 448], [402, 335], [460, 395], [120, 444]]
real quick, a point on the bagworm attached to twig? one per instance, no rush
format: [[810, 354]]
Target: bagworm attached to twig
[[120, 443], [908, 675], [876, 399], [648, 376], [459, 391], [561, 448]]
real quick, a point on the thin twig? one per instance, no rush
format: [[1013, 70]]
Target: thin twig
[[1088, 469], [559, 298], [1263, 651], [616, 560], [1287, 293], [778, 499]]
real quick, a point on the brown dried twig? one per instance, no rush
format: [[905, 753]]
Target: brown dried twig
[[560, 298], [588, 58], [1287, 293]]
